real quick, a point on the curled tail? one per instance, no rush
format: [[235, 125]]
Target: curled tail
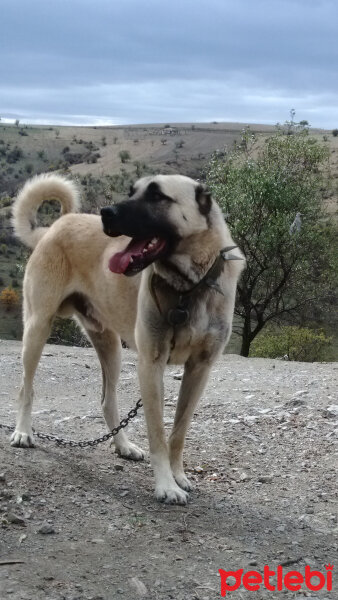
[[36, 191]]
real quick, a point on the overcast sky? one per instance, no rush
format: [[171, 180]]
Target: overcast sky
[[146, 61]]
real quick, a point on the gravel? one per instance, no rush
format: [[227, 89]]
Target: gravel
[[260, 453]]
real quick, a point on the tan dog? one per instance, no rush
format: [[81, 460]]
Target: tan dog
[[167, 291]]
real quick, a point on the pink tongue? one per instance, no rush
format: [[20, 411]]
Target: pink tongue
[[120, 261]]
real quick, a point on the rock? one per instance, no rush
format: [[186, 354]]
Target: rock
[[118, 467], [46, 529], [15, 519], [26, 497], [178, 376], [265, 479], [331, 411], [138, 586], [23, 498], [295, 403], [2, 478]]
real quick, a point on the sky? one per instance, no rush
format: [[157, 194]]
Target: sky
[[112, 62]]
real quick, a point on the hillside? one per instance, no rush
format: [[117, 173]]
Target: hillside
[[94, 156], [259, 453]]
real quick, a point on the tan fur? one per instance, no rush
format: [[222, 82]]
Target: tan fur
[[34, 193], [68, 274]]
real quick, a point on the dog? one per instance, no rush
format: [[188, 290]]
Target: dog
[[156, 271]]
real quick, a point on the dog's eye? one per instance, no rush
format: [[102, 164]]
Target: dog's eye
[[131, 191], [158, 196]]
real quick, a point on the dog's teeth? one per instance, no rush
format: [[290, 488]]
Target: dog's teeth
[[154, 241], [131, 260]]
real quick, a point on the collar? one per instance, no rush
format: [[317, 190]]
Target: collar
[[180, 315]]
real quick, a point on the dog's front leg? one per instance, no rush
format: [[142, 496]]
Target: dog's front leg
[[151, 383], [193, 383]]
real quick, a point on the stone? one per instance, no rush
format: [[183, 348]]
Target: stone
[[118, 467], [265, 479], [138, 586], [15, 519], [46, 529]]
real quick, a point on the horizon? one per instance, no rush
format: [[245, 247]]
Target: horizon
[[39, 123]]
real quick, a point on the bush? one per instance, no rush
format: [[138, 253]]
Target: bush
[[272, 197], [5, 202], [294, 343], [68, 333], [15, 155], [9, 298], [335, 132], [124, 156]]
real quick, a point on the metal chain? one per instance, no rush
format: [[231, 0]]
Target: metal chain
[[84, 444]]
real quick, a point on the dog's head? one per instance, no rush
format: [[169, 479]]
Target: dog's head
[[160, 211]]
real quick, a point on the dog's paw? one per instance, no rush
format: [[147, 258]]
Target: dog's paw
[[129, 451], [22, 440], [171, 494], [183, 481]]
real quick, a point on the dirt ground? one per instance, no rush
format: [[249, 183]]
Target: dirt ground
[[84, 525]]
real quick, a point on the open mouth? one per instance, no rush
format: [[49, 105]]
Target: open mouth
[[137, 256]]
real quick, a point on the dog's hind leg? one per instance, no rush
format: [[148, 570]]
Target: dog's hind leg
[[36, 332], [108, 347], [193, 383]]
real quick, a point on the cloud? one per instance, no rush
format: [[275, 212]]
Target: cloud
[[133, 61]]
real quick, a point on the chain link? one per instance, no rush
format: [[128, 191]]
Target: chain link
[[85, 443]]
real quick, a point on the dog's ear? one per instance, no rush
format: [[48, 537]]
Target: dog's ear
[[203, 199]]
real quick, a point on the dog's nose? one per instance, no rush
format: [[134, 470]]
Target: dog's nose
[[109, 220], [108, 212]]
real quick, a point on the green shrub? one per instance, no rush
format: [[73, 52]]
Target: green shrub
[[68, 333], [15, 155], [5, 202], [273, 199], [295, 343], [124, 156]]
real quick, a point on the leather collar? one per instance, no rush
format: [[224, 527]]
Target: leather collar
[[180, 314]]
